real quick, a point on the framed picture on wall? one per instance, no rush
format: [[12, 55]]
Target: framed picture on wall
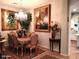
[[8, 20], [42, 18]]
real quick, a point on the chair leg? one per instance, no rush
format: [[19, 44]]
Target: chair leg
[[24, 49], [17, 50], [30, 50]]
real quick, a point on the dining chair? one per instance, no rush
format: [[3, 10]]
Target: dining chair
[[33, 43], [14, 43], [10, 41]]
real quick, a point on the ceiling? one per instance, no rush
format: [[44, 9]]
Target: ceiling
[[74, 4], [28, 4]]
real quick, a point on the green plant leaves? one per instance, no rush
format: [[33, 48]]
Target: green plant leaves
[[25, 23], [11, 20]]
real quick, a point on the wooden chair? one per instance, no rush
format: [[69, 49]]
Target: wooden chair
[[13, 43], [33, 43], [10, 41]]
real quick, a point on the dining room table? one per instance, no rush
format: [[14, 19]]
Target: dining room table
[[23, 41]]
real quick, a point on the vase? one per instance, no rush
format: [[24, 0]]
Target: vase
[[53, 35]]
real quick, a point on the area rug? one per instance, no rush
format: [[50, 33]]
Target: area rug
[[36, 53], [26, 56], [48, 57]]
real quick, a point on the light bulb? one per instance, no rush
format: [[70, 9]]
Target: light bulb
[[74, 9]]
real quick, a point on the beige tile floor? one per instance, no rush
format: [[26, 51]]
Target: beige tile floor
[[53, 54], [74, 53]]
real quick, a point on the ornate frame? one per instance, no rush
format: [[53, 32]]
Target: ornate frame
[[4, 20], [42, 18]]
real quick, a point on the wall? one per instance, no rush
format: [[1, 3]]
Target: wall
[[59, 14], [65, 26]]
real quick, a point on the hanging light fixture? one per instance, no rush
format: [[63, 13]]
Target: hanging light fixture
[[21, 15]]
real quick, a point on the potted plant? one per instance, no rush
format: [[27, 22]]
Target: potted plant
[[24, 23]]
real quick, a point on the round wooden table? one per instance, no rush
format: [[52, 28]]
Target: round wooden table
[[23, 40]]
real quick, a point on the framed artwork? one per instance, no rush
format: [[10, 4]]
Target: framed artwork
[[8, 20], [42, 18]]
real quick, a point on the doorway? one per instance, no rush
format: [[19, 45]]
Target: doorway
[[74, 28]]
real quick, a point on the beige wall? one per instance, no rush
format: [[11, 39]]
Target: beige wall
[[59, 14]]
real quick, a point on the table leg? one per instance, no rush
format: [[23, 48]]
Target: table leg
[[17, 50], [22, 51], [52, 46], [59, 46]]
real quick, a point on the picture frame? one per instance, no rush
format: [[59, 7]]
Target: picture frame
[[8, 20], [42, 18]]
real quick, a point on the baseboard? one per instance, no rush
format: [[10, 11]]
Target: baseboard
[[60, 53], [64, 54], [43, 46], [74, 40], [53, 49]]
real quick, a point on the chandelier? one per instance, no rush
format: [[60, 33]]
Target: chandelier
[[21, 15]]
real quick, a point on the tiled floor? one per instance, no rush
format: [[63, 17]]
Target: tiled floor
[[53, 54], [74, 51]]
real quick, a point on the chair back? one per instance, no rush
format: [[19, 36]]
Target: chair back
[[12, 39], [34, 39]]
